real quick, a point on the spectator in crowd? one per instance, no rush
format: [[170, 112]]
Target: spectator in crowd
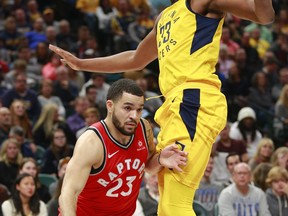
[[5, 123], [4, 195], [232, 46], [281, 116], [260, 99], [77, 121], [20, 117], [19, 66], [261, 45], [149, 195], [242, 198], [23, 92], [22, 23], [10, 159], [53, 204], [58, 149], [102, 86], [27, 147], [49, 120], [280, 157], [29, 166], [37, 34], [259, 175], [65, 89], [232, 159], [62, 165], [46, 96], [42, 53], [24, 199], [91, 115], [208, 192], [245, 129], [277, 193], [283, 80], [105, 12], [265, 149], [91, 94], [33, 10], [65, 37], [223, 147], [49, 19], [49, 69], [76, 77]]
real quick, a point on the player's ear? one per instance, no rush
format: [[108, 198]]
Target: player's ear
[[109, 106]]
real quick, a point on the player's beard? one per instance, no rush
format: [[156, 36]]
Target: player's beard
[[120, 128]]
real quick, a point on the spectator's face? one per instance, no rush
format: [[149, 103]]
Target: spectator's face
[[283, 160], [152, 183], [92, 94], [5, 117], [82, 106], [21, 83], [126, 113], [266, 150], [18, 108], [232, 161], [90, 119], [241, 176], [98, 81], [12, 151], [278, 186], [47, 89], [209, 168], [59, 139], [26, 187], [30, 168]]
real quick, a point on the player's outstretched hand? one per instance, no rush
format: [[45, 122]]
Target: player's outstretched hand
[[172, 157], [67, 57]]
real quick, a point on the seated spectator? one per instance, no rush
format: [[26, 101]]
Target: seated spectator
[[49, 69], [77, 121], [46, 96], [149, 195], [10, 160], [65, 89], [259, 175], [24, 200], [53, 203], [280, 157], [58, 149], [245, 129], [27, 147], [242, 198], [265, 149], [280, 124], [4, 195], [277, 193], [29, 166], [208, 192], [20, 117], [5, 123], [91, 116], [49, 120], [36, 35], [21, 91], [60, 175]]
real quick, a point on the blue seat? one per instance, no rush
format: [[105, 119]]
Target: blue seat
[[47, 179]]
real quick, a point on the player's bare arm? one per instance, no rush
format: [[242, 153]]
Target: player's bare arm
[[170, 157], [137, 59], [88, 152], [259, 11]]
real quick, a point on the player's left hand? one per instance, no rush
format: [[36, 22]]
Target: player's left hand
[[172, 157]]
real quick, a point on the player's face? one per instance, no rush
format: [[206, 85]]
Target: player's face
[[127, 112]]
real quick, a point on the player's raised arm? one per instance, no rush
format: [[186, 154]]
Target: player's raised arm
[[137, 59], [88, 152], [259, 11]]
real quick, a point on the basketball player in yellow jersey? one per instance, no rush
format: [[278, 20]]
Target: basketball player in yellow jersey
[[186, 40]]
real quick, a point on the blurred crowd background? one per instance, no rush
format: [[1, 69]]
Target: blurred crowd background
[[45, 106]]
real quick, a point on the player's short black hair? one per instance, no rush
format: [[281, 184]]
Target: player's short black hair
[[117, 89]]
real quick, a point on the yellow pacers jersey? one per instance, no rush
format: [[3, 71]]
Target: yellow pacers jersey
[[188, 47]]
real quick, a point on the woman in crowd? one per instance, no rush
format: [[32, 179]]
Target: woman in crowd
[[58, 149], [263, 154], [24, 200], [10, 159], [29, 166], [20, 117]]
